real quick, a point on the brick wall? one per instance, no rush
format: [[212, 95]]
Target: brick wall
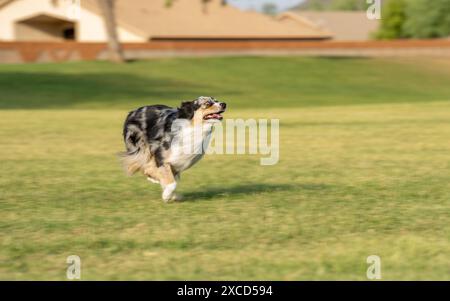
[[24, 52]]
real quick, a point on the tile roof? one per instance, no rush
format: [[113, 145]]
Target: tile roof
[[344, 25], [191, 19]]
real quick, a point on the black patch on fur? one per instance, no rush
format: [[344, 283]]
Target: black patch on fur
[[150, 128], [134, 138], [128, 120], [158, 157], [154, 125], [187, 110]]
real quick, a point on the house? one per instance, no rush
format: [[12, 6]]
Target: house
[[143, 21], [342, 25]]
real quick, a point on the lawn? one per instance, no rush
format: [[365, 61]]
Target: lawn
[[364, 170]]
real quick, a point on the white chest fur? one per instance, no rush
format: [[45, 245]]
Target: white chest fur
[[189, 145]]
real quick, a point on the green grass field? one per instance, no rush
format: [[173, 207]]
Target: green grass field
[[364, 170]]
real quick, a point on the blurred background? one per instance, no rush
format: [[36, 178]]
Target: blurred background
[[140, 29], [364, 110]]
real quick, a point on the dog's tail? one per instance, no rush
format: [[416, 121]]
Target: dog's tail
[[138, 153], [134, 161]]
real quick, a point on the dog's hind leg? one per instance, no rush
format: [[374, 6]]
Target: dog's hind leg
[[152, 180], [151, 171]]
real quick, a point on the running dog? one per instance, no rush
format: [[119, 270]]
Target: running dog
[[153, 136]]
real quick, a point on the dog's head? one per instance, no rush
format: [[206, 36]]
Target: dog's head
[[203, 109]]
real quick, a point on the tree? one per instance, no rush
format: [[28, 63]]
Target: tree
[[333, 5], [427, 19], [393, 20], [349, 5], [270, 9], [115, 49], [421, 19]]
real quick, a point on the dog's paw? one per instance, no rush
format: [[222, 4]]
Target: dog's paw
[[173, 199], [177, 197]]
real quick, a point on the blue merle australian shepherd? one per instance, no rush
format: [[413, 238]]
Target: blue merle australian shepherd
[[150, 132]]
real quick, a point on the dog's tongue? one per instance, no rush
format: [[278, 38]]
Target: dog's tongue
[[214, 116]]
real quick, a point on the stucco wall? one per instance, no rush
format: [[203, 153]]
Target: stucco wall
[[91, 29], [23, 9], [90, 26]]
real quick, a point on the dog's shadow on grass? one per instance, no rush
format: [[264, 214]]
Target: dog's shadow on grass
[[246, 189]]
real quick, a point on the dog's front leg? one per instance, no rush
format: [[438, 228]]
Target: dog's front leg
[[168, 184]]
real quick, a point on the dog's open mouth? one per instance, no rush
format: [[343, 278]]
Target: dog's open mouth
[[216, 116]]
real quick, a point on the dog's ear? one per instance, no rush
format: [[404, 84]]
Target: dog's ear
[[187, 110]]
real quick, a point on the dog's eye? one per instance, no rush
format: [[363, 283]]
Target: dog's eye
[[209, 103]]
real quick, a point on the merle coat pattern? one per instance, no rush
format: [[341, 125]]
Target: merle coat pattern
[[148, 134]]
